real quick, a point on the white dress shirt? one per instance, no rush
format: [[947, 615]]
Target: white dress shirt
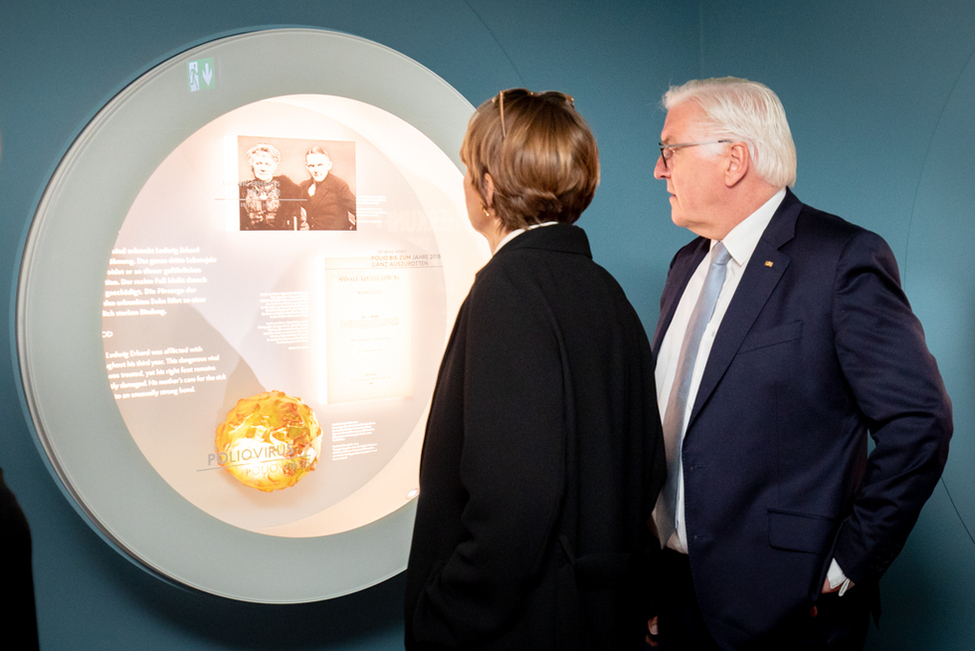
[[518, 231]]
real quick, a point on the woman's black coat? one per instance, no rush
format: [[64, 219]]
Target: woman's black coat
[[541, 464]]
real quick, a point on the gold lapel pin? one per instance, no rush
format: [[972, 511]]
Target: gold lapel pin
[[768, 263]]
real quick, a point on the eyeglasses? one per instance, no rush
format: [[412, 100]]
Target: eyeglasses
[[667, 151], [515, 93]]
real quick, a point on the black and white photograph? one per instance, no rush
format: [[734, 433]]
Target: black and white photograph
[[290, 184]]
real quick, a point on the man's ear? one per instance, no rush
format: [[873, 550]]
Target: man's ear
[[488, 195], [737, 163]]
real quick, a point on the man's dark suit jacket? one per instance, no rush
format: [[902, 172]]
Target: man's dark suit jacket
[[328, 209], [541, 464], [818, 348]]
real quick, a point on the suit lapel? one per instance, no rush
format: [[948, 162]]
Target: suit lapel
[[763, 272]]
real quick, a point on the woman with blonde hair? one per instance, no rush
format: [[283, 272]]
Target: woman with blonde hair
[[543, 454]]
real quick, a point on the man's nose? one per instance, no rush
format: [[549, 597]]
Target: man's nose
[[660, 170]]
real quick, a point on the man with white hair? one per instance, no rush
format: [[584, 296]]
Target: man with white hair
[[784, 340]]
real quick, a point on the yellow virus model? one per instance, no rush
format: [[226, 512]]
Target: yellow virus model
[[269, 441]]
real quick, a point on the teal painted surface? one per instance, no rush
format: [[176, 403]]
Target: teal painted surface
[[876, 94]]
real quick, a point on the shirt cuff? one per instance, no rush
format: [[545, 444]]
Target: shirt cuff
[[836, 578]]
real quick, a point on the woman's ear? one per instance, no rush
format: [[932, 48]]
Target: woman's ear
[[488, 195]]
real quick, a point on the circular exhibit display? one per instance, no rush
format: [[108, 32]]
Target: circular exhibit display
[[232, 306]]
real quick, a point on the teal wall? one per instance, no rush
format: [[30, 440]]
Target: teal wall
[[881, 98]]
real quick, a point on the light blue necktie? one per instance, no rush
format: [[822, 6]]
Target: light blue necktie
[[677, 404]]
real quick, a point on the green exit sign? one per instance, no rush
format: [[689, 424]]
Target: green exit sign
[[201, 74]]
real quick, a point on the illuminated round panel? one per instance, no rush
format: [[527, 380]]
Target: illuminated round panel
[[232, 307]]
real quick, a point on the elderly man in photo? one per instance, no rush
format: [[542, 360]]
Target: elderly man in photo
[[784, 340], [329, 204]]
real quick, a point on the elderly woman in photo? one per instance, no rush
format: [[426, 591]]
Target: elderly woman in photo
[[543, 454], [267, 202]]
